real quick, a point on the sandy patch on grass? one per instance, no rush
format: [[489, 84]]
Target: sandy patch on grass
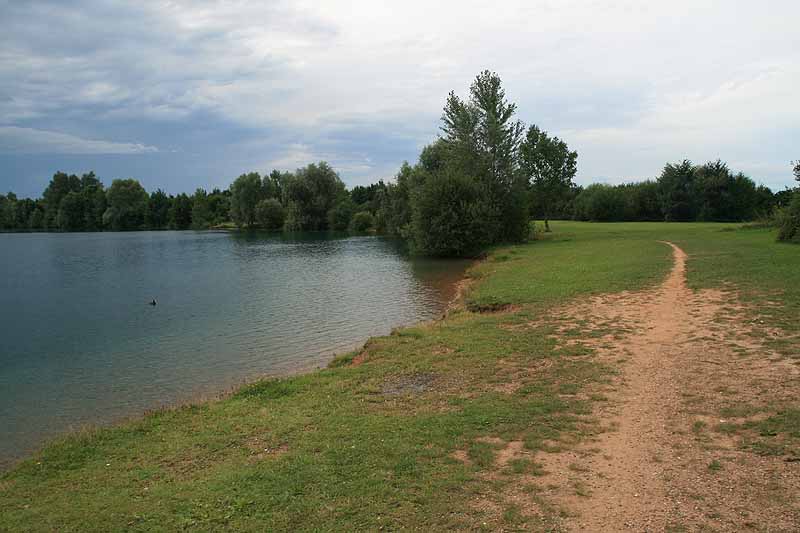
[[683, 356]]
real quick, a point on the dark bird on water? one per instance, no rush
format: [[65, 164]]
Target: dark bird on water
[[153, 303]]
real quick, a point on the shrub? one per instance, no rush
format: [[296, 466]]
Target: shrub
[[788, 220], [449, 214], [341, 214], [362, 222], [270, 214], [600, 203]]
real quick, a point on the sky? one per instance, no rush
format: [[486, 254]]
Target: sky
[[186, 94]]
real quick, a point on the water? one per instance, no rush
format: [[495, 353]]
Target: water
[[79, 343]]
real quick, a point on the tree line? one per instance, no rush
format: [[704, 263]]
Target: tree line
[[683, 192], [72, 203], [312, 198], [787, 217], [481, 182]]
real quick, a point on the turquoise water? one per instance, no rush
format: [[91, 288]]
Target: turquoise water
[[79, 343]]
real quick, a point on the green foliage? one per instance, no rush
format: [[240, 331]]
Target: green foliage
[[676, 191], [477, 155], [202, 217], [71, 212], [59, 187], [341, 214], [310, 194], [549, 167], [481, 140], [180, 212], [600, 202], [788, 220], [362, 222], [246, 191], [710, 192], [127, 205], [158, 207], [270, 214], [449, 216]]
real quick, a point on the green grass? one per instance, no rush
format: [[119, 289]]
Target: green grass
[[372, 446]]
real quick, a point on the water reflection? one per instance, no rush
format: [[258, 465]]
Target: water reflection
[[81, 345]]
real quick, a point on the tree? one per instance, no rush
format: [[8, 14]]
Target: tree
[[201, 212], [158, 206], [219, 206], [362, 222], [60, 185], [549, 167], [340, 215], [71, 212], [641, 201], [180, 213], [449, 216], [310, 194], [601, 202], [246, 192], [270, 214], [127, 205], [8, 211], [483, 139], [94, 202], [789, 216], [676, 191]]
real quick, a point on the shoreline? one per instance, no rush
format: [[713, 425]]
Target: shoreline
[[200, 398], [487, 416]]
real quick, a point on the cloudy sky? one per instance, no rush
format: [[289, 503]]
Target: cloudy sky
[[182, 94]]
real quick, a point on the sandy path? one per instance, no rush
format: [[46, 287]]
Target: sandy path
[[652, 470]]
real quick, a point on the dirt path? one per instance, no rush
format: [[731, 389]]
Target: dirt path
[[684, 358], [660, 467]]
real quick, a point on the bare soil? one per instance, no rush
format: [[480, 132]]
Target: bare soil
[[660, 463]]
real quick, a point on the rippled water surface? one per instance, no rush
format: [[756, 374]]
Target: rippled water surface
[[79, 343]]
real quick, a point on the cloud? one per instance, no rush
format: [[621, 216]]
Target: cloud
[[630, 84], [32, 141]]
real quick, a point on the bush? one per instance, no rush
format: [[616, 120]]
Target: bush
[[601, 203], [788, 220], [341, 214], [362, 222], [270, 214], [449, 214]]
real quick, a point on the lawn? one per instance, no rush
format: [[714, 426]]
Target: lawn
[[373, 441]]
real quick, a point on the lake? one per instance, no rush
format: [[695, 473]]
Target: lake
[[80, 344]]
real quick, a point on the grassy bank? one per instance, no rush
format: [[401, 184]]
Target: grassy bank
[[396, 435]]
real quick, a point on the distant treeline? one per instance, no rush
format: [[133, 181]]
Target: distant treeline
[[312, 198], [683, 192], [480, 183], [787, 217]]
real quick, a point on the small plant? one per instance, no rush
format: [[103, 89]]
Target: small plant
[[715, 466]]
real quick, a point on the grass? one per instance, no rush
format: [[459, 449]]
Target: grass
[[375, 445]]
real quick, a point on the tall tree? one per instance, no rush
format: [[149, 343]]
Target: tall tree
[[158, 206], [94, 202], [180, 212], [483, 140], [676, 191], [60, 185], [202, 217], [246, 192], [71, 212], [127, 205], [549, 166], [310, 194]]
